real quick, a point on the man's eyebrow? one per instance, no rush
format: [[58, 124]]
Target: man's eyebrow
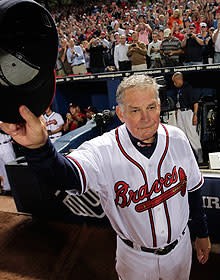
[[133, 107]]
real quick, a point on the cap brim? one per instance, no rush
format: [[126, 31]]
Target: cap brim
[[37, 97]]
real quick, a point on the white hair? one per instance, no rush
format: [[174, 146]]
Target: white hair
[[136, 81]]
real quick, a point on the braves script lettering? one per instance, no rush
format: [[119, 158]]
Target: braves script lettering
[[51, 122], [174, 182]]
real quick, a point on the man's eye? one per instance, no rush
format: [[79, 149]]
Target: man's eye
[[152, 107], [134, 111]]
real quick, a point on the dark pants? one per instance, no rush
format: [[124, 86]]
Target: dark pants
[[97, 69], [156, 63], [124, 65]]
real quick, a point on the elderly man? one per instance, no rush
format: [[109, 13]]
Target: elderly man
[[121, 59], [146, 177]]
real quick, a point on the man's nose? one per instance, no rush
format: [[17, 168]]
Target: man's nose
[[145, 115]]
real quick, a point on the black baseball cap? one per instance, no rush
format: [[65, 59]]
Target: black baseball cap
[[28, 54]]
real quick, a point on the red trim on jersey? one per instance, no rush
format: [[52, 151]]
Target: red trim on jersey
[[81, 171], [145, 179], [162, 190], [129, 158]]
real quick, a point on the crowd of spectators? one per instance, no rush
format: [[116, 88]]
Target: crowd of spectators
[[132, 35]]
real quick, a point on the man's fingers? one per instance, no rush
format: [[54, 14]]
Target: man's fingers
[[28, 116], [9, 128]]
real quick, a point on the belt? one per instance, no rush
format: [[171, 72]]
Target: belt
[[52, 137], [78, 64], [5, 142], [184, 109], [158, 251]]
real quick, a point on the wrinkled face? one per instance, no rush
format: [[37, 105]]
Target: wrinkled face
[[140, 112]]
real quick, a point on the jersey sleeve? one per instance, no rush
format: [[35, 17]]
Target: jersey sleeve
[[89, 162], [52, 168], [195, 179], [60, 120]]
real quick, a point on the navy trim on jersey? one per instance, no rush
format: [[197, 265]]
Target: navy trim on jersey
[[81, 171]]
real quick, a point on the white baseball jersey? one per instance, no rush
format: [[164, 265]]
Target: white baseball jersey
[[146, 200], [53, 122]]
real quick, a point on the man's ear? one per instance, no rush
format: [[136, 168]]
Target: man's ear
[[119, 113]]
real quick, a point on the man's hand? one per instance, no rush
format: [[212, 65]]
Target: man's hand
[[30, 134], [203, 247], [194, 120]]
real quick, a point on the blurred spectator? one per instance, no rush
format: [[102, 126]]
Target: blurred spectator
[[137, 52], [75, 57], [154, 51], [162, 21], [195, 21], [74, 118], [205, 35], [109, 19], [160, 34], [117, 28], [70, 123], [84, 46], [176, 31], [216, 40], [170, 49], [210, 46], [54, 124], [104, 40], [80, 117], [6, 155], [144, 30], [63, 66], [192, 44], [215, 21], [96, 49], [121, 60], [176, 16], [90, 112]]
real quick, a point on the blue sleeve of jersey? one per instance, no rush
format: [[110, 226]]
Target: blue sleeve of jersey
[[53, 168], [197, 213]]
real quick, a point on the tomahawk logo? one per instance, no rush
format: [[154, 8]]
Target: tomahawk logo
[[166, 187]]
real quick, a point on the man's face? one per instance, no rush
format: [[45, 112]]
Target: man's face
[[123, 40], [72, 110], [154, 37], [135, 36], [140, 112], [178, 82], [192, 30]]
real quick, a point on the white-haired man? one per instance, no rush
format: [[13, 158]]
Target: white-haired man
[[146, 176]]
